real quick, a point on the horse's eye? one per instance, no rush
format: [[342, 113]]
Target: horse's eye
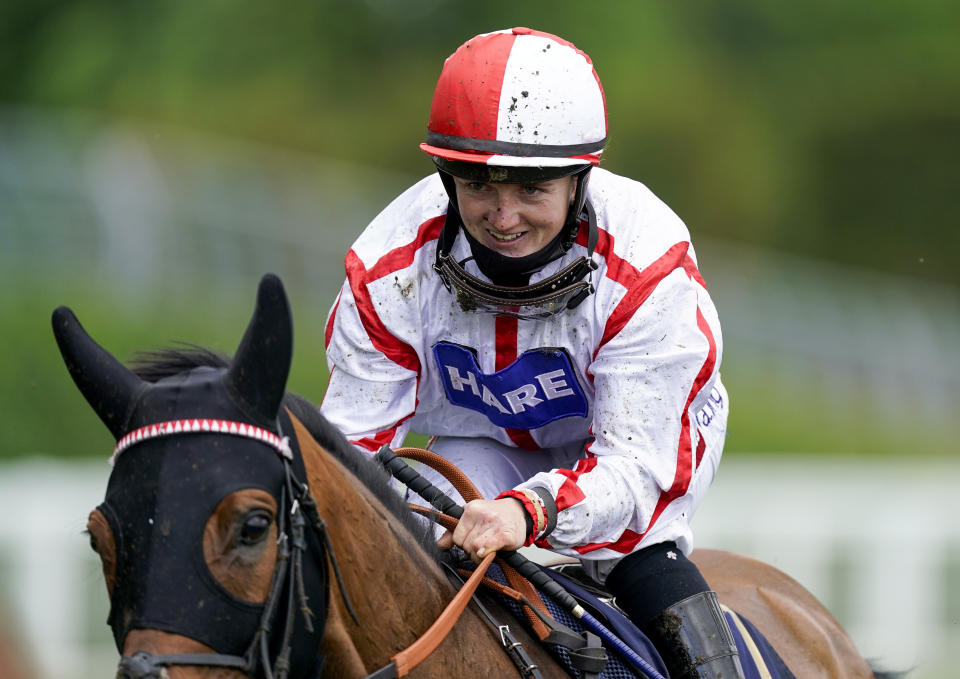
[[254, 527]]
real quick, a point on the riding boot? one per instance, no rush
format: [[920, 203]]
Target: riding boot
[[694, 640]]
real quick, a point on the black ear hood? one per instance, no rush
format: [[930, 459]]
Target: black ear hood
[[164, 488], [257, 378], [250, 390], [110, 388]]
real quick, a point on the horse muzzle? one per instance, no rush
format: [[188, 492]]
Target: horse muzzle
[[143, 665], [140, 665]]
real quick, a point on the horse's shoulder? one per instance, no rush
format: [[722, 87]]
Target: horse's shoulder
[[800, 628], [745, 578]]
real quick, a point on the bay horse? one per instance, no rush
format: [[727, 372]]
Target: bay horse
[[241, 535], [13, 663]]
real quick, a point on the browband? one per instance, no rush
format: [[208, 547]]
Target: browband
[[202, 426]]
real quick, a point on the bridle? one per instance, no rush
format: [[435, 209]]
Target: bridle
[[296, 508]]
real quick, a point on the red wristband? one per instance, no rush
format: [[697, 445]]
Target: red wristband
[[531, 510]]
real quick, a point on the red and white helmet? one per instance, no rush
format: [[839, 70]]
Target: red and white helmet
[[518, 98]]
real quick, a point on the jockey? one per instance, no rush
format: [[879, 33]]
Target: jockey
[[544, 320]]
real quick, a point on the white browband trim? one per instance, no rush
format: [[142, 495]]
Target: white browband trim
[[202, 426]]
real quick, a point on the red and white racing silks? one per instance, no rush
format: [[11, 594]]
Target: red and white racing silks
[[632, 372]]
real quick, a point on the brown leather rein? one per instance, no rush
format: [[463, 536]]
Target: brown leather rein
[[401, 663]]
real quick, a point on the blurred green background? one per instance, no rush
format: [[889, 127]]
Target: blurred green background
[[156, 158], [812, 149]]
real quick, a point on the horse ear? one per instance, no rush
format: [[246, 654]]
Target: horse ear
[[262, 363], [109, 386]]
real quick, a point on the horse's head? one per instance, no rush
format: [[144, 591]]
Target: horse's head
[[201, 532]]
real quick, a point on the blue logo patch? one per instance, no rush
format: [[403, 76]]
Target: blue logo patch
[[539, 387]]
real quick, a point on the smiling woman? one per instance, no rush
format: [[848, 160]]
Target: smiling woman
[[530, 260], [515, 219]]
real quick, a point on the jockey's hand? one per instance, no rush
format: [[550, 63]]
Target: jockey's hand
[[488, 525]]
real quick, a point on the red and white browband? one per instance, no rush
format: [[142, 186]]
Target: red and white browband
[[202, 426]]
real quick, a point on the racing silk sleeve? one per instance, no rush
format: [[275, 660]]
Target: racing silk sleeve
[[372, 390], [653, 370], [373, 329]]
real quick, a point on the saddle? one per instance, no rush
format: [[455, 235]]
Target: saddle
[[757, 656]]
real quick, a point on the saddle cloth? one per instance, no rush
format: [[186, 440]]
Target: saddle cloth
[[757, 656]]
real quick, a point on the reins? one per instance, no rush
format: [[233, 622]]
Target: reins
[[447, 507], [534, 608], [401, 663]]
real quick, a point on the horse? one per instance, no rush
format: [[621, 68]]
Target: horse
[[242, 535], [13, 663]]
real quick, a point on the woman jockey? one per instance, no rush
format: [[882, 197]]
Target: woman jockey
[[545, 321]]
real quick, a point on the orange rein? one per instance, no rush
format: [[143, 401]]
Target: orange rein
[[414, 654], [469, 492]]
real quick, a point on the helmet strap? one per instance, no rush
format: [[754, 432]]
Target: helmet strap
[[574, 214], [513, 271]]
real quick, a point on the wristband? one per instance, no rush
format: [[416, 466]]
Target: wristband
[[549, 508], [541, 511], [530, 502], [539, 515]]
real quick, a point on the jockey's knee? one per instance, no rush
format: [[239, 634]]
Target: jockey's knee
[[651, 580], [665, 595]]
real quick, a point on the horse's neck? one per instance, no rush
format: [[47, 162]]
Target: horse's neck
[[396, 588]]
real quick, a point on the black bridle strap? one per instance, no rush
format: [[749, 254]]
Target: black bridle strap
[[259, 649], [145, 665], [309, 506]]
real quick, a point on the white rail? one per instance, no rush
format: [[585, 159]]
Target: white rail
[[877, 542]]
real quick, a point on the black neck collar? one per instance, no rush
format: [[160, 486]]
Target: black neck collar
[[512, 271]]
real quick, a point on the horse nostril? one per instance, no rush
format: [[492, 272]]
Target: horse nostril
[[138, 666]]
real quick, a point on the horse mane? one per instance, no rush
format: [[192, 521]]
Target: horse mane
[[158, 364]]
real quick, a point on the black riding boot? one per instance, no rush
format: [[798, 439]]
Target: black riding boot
[[665, 595], [694, 640]]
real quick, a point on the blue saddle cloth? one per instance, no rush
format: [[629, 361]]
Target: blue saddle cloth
[[757, 657]]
